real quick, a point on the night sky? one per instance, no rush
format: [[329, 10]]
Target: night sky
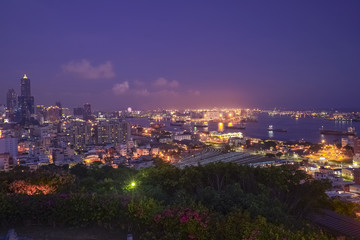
[[149, 54]]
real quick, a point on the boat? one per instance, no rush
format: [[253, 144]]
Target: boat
[[349, 132], [272, 129]]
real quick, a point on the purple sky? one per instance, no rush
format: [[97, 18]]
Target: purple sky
[[150, 54]]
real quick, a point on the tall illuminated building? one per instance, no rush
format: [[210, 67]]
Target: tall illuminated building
[[11, 99], [87, 111], [11, 103], [26, 101], [124, 132], [25, 86]]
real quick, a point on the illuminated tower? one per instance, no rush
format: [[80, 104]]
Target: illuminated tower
[[26, 101], [25, 87]]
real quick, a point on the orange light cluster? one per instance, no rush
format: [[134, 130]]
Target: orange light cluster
[[23, 187]]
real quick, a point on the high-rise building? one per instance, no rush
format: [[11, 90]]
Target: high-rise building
[[78, 112], [108, 132], [9, 145], [11, 104], [40, 113], [58, 104], [25, 86], [113, 132], [80, 134], [125, 132], [11, 99], [53, 114], [26, 101], [87, 111]]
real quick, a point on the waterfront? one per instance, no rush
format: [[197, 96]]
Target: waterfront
[[307, 128], [297, 129]]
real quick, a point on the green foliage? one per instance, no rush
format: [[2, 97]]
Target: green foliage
[[239, 225], [62, 209], [346, 208], [214, 201], [50, 175]]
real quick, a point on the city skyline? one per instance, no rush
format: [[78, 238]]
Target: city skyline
[[183, 55]]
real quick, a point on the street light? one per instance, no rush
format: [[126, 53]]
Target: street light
[[132, 187]]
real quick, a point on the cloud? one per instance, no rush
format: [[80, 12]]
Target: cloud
[[120, 88], [193, 92], [139, 83], [142, 92], [164, 83], [165, 93], [85, 70], [161, 87]]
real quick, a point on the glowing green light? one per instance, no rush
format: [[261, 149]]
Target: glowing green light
[[133, 184]]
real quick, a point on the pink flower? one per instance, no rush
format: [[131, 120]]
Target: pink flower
[[197, 216], [157, 218], [168, 213], [184, 219], [190, 236]]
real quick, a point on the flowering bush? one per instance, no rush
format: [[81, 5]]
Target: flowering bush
[[23, 187], [179, 223], [63, 209]]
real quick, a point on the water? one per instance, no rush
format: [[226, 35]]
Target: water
[[307, 129], [302, 128]]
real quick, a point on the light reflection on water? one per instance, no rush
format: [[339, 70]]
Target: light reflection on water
[[221, 127], [271, 134], [302, 128]]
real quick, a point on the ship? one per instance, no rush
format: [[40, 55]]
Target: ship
[[272, 129], [349, 132]]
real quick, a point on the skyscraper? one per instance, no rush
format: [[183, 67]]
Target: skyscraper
[[26, 101], [11, 99], [87, 111], [25, 86]]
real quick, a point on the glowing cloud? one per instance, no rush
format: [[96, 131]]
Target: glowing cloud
[[164, 83], [85, 70], [120, 88]]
